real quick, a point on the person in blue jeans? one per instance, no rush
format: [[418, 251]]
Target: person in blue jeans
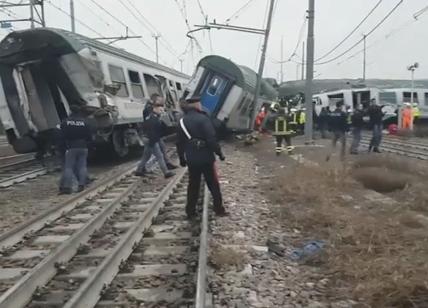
[[76, 135], [154, 129]]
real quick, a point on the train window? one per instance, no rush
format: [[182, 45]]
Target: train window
[[407, 97], [170, 83], [426, 99], [136, 86], [388, 97], [118, 77], [178, 86], [214, 86], [153, 85]]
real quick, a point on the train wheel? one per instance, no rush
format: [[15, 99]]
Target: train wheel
[[120, 148]]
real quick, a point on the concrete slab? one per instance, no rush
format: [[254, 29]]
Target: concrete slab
[[97, 253], [164, 250], [172, 236], [169, 227], [80, 274], [124, 224], [84, 216], [156, 294], [49, 239], [12, 273], [28, 254], [105, 200], [68, 227], [156, 270], [92, 208], [147, 200], [139, 207]]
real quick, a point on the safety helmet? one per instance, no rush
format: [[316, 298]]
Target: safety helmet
[[274, 107]]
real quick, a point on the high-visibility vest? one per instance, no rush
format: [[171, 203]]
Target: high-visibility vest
[[281, 126], [416, 112], [302, 118]]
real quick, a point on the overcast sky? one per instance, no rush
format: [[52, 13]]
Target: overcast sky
[[398, 42]]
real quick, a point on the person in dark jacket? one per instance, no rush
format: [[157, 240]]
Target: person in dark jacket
[[338, 124], [154, 129], [197, 146], [148, 109], [357, 124], [76, 135], [323, 121], [376, 123]]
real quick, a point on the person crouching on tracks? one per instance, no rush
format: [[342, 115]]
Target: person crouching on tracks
[[338, 123], [357, 124], [76, 134], [281, 130], [196, 147], [154, 129]]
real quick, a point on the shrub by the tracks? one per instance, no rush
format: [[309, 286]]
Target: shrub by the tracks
[[376, 251]]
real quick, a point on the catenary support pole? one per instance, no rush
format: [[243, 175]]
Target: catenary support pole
[[261, 66], [72, 16], [32, 14], [303, 60], [309, 72], [282, 60], [364, 59]]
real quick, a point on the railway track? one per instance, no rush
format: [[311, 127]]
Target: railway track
[[400, 147], [127, 233], [20, 171]]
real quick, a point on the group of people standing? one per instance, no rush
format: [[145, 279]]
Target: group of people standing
[[340, 121], [197, 148]]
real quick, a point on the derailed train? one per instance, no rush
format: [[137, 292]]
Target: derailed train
[[227, 92], [44, 71]]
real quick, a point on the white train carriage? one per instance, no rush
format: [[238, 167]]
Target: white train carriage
[[43, 71], [227, 92], [391, 99]]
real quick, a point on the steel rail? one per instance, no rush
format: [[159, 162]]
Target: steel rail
[[20, 294], [400, 150], [17, 234], [201, 281], [14, 164], [18, 178], [89, 292], [411, 144]]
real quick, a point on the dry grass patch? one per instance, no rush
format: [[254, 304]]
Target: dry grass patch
[[224, 257], [381, 252]]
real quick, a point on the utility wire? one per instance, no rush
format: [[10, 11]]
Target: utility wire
[[352, 32], [183, 14], [362, 39], [83, 3], [123, 24], [261, 37], [152, 28], [239, 11], [78, 20]]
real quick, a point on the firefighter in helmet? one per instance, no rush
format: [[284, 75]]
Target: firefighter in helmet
[[279, 123]]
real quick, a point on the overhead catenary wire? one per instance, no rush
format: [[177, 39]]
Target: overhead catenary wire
[[239, 11], [362, 39], [145, 22], [77, 20], [261, 37], [123, 24], [365, 36], [108, 24], [350, 33]]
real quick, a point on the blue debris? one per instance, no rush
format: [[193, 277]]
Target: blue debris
[[310, 249]]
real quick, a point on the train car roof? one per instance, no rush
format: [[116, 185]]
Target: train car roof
[[290, 88], [62, 42], [243, 76]]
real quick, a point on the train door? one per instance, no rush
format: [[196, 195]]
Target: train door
[[212, 92]]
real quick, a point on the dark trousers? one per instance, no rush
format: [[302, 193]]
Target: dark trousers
[[377, 136], [211, 178]]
